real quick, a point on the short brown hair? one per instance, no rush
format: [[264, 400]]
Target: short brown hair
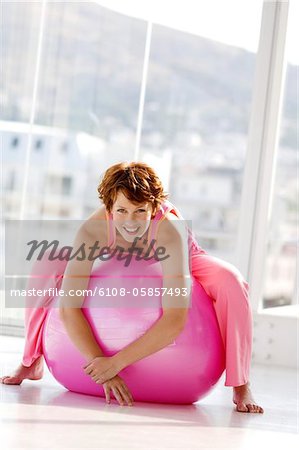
[[137, 181]]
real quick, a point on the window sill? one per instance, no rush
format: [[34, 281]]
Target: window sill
[[281, 311]]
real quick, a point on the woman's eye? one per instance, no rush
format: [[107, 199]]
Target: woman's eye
[[138, 210]]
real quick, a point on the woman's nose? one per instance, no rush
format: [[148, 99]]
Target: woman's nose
[[131, 219]]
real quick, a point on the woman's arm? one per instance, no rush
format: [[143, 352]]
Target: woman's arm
[[161, 334], [175, 309], [80, 333], [76, 276]]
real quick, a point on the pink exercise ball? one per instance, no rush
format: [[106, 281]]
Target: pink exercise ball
[[181, 373]]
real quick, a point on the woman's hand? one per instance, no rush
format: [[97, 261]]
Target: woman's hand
[[102, 368], [120, 391]]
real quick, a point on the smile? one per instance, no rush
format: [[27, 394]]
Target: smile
[[131, 230]]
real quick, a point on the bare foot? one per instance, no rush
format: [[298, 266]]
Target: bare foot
[[34, 372], [244, 400]]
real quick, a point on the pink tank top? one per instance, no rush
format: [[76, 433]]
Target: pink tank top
[[165, 207]]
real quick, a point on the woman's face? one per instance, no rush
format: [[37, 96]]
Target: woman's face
[[131, 220]]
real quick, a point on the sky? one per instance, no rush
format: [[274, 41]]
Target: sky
[[233, 22]]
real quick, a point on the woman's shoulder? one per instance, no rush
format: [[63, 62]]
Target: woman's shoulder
[[169, 211], [95, 226], [98, 214], [171, 227]]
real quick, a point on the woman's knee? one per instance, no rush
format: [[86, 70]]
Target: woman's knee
[[47, 265], [229, 277], [45, 272]]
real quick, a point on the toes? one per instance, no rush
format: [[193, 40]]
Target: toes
[[2, 379], [241, 407], [255, 408], [251, 408], [11, 380]]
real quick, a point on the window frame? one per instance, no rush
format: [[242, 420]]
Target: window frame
[[263, 135]]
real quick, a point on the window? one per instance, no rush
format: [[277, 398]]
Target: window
[[84, 63], [282, 247], [20, 23], [197, 106]]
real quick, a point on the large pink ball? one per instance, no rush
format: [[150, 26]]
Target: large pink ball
[[182, 372]]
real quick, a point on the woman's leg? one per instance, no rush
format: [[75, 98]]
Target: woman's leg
[[225, 284], [45, 275]]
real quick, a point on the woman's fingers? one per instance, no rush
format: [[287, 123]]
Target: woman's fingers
[[128, 392], [97, 379], [100, 378], [117, 395], [107, 393], [125, 394], [120, 391]]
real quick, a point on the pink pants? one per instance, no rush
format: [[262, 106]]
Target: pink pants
[[222, 282]]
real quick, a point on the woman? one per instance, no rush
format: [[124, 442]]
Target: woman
[[135, 208]]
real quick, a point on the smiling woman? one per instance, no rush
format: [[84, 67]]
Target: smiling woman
[[186, 125], [131, 221], [135, 207]]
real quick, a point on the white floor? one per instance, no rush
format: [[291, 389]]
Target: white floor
[[42, 414]]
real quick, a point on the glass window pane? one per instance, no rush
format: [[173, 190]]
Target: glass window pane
[[87, 104], [195, 125], [88, 89], [19, 40], [282, 247], [86, 109]]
